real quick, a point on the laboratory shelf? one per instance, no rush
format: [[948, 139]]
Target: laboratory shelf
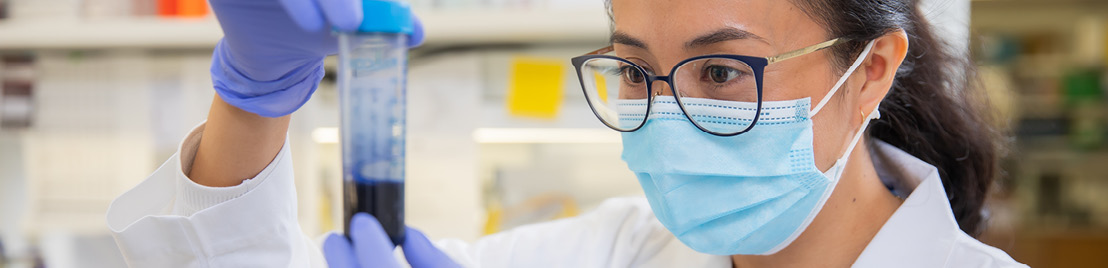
[[476, 27], [444, 28], [31, 34]]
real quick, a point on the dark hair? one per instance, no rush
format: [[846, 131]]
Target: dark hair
[[933, 111]]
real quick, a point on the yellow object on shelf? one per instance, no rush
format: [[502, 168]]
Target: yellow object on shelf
[[326, 221], [495, 216], [535, 87], [601, 86], [545, 207]]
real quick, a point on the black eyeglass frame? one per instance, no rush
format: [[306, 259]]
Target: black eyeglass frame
[[757, 65]]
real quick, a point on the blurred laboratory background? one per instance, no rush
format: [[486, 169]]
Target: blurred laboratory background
[[96, 94]]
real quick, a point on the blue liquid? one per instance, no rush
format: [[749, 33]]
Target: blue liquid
[[372, 70], [382, 199]]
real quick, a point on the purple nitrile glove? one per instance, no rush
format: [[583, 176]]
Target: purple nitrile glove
[[369, 246], [270, 59]]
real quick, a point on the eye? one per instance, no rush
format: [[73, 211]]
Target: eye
[[632, 74], [720, 74]]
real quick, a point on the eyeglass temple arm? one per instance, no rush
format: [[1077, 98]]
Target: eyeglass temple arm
[[771, 59], [802, 51], [603, 50]]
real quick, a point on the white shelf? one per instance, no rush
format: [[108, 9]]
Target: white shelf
[[443, 29], [109, 33], [461, 28]]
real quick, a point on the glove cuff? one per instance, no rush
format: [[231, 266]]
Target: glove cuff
[[275, 98]]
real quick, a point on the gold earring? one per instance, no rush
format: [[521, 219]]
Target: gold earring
[[862, 115]]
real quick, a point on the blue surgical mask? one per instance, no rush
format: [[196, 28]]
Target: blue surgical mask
[[748, 194]]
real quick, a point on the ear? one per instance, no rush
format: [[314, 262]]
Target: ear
[[880, 69]]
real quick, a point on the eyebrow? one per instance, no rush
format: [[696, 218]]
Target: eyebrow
[[721, 35], [625, 39]]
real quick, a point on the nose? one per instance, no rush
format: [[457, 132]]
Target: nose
[[661, 87]]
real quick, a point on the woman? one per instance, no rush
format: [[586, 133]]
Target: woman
[[745, 121]]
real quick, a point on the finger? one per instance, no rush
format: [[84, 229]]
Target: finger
[[346, 15], [372, 247], [305, 13], [416, 38], [338, 253], [420, 253]]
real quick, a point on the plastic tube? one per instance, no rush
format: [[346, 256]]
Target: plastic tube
[[372, 91]]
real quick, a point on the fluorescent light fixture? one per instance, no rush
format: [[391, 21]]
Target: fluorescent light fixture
[[330, 135], [326, 135], [546, 135]]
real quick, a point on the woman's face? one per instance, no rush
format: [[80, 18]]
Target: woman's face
[[658, 34]]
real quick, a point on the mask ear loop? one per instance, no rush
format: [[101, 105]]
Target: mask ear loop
[[876, 114], [842, 80]]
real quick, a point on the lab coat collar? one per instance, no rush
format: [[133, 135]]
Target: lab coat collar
[[922, 232]]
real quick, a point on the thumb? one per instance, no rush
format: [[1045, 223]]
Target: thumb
[[420, 253], [416, 38], [371, 245], [338, 252]]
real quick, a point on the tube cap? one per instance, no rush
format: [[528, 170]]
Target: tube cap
[[386, 16]]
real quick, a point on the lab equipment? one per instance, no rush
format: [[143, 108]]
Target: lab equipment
[[372, 70], [374, 251]]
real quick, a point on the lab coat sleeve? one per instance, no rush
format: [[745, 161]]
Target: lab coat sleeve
[[169, 221], [621, 232]]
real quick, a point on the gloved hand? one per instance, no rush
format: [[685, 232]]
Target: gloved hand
[[372, 248], [270, 59]]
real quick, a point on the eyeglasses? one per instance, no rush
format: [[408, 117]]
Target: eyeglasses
[[619, 91]]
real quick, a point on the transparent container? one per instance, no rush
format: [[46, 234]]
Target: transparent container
[[372, 91]]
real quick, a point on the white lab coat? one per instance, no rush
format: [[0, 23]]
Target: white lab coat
[[169, 221]]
